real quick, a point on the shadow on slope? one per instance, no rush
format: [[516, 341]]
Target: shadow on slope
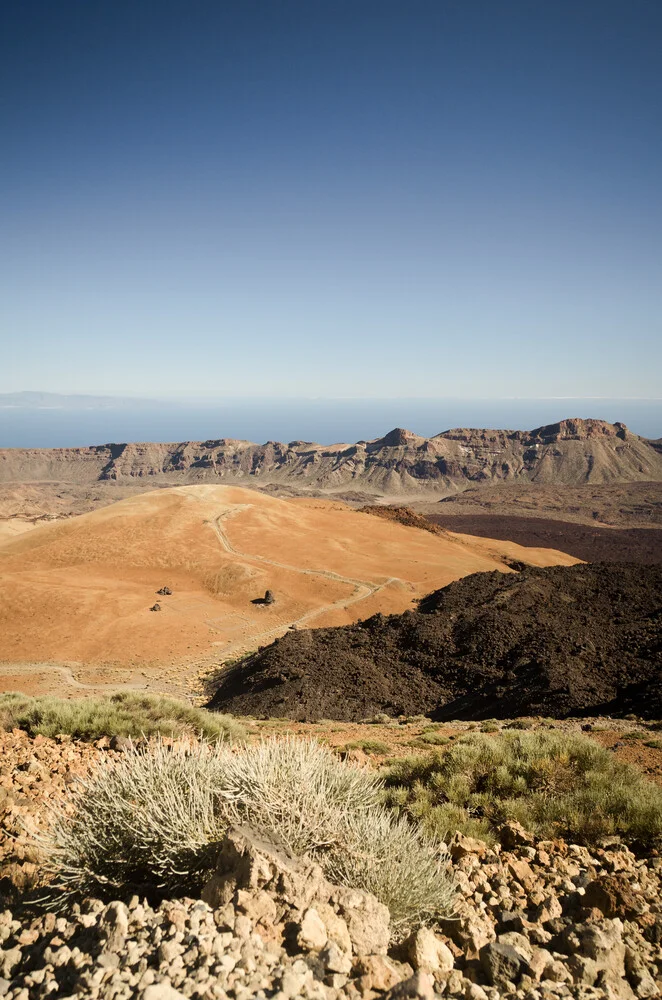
[[555, 642]]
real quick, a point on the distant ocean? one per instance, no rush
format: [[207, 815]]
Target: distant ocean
[[327, 421]]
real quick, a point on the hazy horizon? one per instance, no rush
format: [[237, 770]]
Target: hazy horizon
[[74, 423]]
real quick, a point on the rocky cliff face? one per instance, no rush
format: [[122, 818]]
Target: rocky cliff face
[[571, 451]]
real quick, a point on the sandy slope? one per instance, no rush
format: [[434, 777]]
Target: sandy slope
[[78, 592]]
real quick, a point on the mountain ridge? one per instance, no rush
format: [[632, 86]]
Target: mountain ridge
[[571, 451]]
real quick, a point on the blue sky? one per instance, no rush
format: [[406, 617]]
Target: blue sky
[[454, 198]]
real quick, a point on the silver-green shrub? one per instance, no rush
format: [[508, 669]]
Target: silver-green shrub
[[154, 821]]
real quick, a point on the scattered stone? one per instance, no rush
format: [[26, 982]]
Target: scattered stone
[[427, 952], [534, 920], [613, 896], [155, 607], [376, 972], [460, 846], [164, 591], [120, 743], [513, 834], [162, 991], [501, 964], [418, 987], [312, 934]]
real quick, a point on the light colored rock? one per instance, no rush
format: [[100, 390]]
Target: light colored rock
[[335, 960], [425, 951], [603, 942], [162, 991], [537, 964], [549, 908], [475, 992], [311, 935], [292, 983], [336, 928], [368, 921], [377, 972]]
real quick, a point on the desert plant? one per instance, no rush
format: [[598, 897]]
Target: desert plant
[[397, 863], [127, 713], [430, 739], [153, 822], [381, 719], [367, 746], [553, 783]]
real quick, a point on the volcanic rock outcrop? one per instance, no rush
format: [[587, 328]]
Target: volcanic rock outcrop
[[555, 642]]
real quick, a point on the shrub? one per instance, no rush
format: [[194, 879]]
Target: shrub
[[397, 863], [381, 719], [153, 822], [368, 746], [126, 713], [430, 739], [555, 784]]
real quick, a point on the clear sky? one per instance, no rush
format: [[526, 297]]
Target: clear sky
[[421, 198]]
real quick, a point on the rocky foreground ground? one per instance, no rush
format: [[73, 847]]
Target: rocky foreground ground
[[534, 919]]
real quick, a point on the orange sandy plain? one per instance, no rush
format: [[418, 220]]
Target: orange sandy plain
[[75, 595]]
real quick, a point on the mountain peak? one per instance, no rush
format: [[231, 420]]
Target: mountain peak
[[580, 429], [395, 438]]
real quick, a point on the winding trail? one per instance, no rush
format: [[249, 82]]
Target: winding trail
[[67, 675], [363, 589]]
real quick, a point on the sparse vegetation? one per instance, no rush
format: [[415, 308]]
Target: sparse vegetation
[[367, 746], [553, 783], [428, 738], [126, 713], [154, 821], [381, 719]]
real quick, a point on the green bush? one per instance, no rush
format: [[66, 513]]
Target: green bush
[[555, 784], [430, 739], [153, 822], [126, 713]]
